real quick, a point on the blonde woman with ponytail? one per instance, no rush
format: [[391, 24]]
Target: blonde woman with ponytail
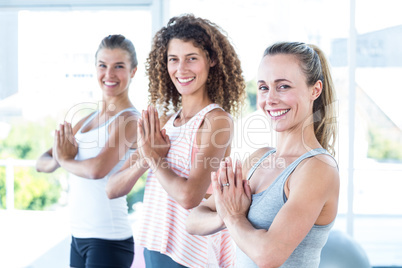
[[280, 205]]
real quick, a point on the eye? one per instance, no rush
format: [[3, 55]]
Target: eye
[[172, 59], [284, 86], [263, 88], [101, 65], [119, 66], [192, 59]]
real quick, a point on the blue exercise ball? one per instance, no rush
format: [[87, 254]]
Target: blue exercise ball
[[341, 251]]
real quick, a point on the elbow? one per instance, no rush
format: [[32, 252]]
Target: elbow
[[188, 201], [264, 260], [38, 168], [96, 174], [110, 194], [190, 226], [187, 205]]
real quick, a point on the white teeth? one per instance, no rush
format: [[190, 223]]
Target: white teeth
[[110, 83], [278, 113], [185, 80]]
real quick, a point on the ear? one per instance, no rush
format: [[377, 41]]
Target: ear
[[316, 90], [133, 71], [212, 63]]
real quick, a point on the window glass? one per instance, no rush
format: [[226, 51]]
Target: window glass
[[57, 57]]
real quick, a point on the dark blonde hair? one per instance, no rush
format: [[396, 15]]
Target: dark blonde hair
[[225, 83], [121, 42], [315, 67]]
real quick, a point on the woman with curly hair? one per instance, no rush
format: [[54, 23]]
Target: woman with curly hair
[[195, 73]]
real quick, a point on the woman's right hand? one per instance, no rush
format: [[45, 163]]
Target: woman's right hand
[[153, 143], [65, 146], [232, 193]]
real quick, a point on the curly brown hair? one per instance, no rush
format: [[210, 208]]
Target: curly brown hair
[[225, 83]]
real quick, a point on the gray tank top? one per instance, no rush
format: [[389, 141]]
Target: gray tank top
[[265, 206]]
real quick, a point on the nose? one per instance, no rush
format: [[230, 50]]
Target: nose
[[110, 72], [272, 97], [182, 66]]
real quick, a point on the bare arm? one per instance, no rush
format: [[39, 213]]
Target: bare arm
[[122, 136], [121, 183], [204, 220], [310, 194], [215, 138], [46, 163]]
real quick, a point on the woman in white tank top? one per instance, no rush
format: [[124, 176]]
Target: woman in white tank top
[[91, 151]]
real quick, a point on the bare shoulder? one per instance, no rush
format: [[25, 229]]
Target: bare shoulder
[[127, 119], [218, 114], [130, 116], [218, 118], [320, 167]]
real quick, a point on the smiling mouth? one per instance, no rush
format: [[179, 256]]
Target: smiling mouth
[[186, 80], [110, 83], [278, 113]]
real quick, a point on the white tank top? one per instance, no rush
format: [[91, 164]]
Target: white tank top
[[93, 214]]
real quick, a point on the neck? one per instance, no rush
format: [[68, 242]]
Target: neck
[[191, 106], [297, 142], [113, 105]]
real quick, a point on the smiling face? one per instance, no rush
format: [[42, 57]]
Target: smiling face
[[283, 93], [188, 67], [113, 67]]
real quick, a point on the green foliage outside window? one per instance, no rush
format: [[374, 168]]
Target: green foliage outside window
[[382, 147], [32, 190], [251, 101]]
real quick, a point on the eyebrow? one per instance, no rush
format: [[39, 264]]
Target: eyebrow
[[189, 54], [276, 81], [120, 62]]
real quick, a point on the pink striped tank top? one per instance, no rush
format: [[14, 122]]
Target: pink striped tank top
[[163, 219]]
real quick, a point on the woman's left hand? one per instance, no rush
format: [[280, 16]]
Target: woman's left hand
[[153, 143], [232, 194], [65, 146]]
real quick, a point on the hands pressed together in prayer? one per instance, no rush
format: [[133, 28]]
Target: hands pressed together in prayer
[[64, 146], [153, 143], [232, 193]]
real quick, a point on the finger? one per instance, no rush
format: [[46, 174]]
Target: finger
[[69, 132], [55, 140], [157, 122], [61, 133], [139, 134], [222, 174], [238, 173], [247, 189], [165, 137], [151, 119], [145, 124], [229, 172], [72, 136], [216, 187], [55, 143]]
